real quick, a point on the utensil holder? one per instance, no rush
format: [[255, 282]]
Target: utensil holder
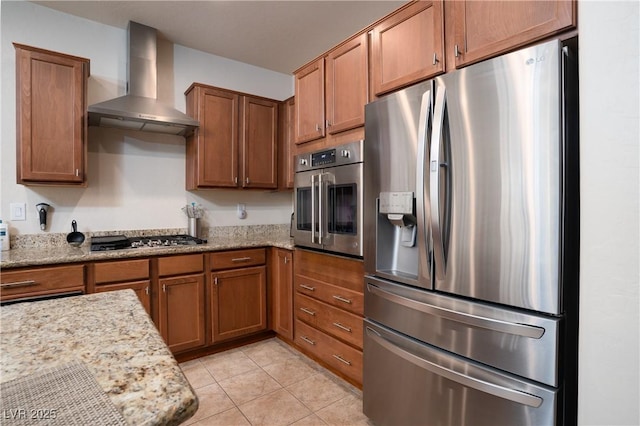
[[194, 227]]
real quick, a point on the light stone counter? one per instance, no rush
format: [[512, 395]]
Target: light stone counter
[[63, 253], [114, 337]]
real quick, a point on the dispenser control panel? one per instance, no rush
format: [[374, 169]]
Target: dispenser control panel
[[396, 203]]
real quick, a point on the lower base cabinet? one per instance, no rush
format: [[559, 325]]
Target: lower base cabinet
[[181, 301], [238, 293]]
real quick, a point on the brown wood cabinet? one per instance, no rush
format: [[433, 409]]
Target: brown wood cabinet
[[26, 283], [329, 309], [309, 107], [332, 100], [407, 46], [236, 143], [51, 113], [484, 29], [282, 292], [238, 296], [120, 275], [347, 84], [286, 130], [181, 300]]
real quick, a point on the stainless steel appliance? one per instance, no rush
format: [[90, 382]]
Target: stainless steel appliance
[[471, 245], [117, 242], [328, 196]]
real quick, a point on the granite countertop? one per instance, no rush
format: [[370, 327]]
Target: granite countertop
[[21, 257], [114, 337]]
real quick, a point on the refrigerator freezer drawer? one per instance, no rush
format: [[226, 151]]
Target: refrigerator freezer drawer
[[410, 383], [513, 341]]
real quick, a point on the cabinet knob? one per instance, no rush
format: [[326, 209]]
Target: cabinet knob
[[215, 280], [327, 123], [435, 58], [456, 51], [246, 180], [317, 127]]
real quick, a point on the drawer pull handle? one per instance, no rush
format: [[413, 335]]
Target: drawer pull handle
[[241, 259], [16, 284], [342, 299], [306, 287], [339, 358], [309, 341], [342, 327], [308, 311]]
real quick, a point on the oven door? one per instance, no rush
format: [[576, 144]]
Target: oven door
[[341, 213], [306, 205]]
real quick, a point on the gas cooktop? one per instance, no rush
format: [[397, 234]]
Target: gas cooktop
[[116, 242]]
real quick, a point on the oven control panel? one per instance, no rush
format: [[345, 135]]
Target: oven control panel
[[350, 153], [322, 158]]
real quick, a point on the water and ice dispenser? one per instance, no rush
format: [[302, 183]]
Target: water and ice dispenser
[[396, 230]]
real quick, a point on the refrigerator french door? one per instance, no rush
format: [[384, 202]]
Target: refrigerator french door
[[328, 198], [482, 327]]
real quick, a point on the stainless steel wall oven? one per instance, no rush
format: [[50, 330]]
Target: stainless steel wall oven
[[328, 199]]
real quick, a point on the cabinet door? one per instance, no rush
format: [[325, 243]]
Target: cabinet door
[[51, 117], [487, 28], [182, 314], [238, 302], [212, 151], [309, 83], [408, 46], [282, 279], [347, 85], [259, 143], [286, 125], [140, 287]]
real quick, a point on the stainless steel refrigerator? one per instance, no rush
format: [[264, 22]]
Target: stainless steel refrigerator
[[471, 245]]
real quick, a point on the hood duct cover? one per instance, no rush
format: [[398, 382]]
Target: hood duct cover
[[139, 109]]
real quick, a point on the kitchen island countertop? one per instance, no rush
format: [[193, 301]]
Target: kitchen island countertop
[[114, 337]]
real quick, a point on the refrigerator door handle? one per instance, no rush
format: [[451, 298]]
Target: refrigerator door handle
[[517, 329], [467, 381], [421, 194], [434, 180]]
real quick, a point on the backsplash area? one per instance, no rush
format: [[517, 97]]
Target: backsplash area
[[216, 232]]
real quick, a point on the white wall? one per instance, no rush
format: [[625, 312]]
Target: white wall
[[135, 180], [609, 277]]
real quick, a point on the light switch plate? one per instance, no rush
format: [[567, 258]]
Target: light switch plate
[[18, 211]]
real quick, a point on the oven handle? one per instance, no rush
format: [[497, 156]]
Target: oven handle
[[320, 205], [313, 209]]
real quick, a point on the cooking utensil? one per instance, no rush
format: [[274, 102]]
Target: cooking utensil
[[75, 238]]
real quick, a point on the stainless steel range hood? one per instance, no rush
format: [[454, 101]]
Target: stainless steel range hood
[[139, 109]]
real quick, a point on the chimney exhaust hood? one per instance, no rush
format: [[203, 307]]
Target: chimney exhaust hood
[[139, 109]]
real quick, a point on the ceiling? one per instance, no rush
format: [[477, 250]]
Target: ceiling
[[277, 35]]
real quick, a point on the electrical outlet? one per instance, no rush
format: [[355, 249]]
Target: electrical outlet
[[242, 211], [18, 211]]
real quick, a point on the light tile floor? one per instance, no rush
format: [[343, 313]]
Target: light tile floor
[[269, 383]]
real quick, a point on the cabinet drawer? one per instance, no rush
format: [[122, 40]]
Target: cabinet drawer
[[59, 279], [237, 259], [340, 356], [186, 264], [336, 322], [340, 297], [122, 270]]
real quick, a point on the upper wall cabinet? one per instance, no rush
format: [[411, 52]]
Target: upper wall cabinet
[[331, 92], [407, 46], [51, 117], [236, 143], [483, 29]]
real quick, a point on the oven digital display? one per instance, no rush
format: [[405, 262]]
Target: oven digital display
[[324, 157]]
